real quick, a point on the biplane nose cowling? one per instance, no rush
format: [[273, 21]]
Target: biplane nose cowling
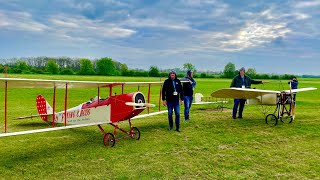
[[138, 97]]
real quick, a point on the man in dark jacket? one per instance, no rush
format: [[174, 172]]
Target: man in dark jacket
[[172, 97], [241, 81], [294, 85], [188, 93]]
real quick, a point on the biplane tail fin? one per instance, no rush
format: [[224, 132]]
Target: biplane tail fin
[[43, 107]]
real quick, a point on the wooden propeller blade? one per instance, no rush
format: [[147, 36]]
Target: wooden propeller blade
[[140, 104]]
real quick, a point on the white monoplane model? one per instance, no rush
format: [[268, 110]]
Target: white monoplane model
[[280, 99]]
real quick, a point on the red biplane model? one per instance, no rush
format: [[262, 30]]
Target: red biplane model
[[97, 111]]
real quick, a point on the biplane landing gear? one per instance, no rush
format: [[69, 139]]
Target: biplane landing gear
[[134, 133], [109, 140], [271, 120]]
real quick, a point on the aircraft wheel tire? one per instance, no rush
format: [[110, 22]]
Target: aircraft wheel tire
[[271, 120], [291, 119], [134, 133], [109, 140]]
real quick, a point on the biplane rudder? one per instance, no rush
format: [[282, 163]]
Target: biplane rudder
[[43, 107]]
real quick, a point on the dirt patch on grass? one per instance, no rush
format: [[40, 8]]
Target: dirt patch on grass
[[216, 110]]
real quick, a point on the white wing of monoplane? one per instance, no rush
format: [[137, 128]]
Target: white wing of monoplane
[[241, 93], [300, 90]]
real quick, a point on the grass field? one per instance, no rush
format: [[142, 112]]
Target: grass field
[[210, 146]]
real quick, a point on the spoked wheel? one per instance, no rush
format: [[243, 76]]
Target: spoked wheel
[[271, 120], [134, 133], [109, 140], [287, 119], [291, 119]]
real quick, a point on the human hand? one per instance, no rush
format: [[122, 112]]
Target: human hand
[[164, 103], [181, 101]]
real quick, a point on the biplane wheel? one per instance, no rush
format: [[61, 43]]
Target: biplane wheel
[[271, 120], [109, 140], [134, 133]]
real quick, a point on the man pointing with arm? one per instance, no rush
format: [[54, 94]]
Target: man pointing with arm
[[241, 81]]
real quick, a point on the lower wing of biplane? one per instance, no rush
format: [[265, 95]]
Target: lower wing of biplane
[[111, 110], [280, 99]]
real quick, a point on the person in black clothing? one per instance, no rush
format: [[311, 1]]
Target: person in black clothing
[[188, 93], [172, 97], [294, 85], [241, 81]]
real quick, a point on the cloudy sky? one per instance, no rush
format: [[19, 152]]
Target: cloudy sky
[[270, 35]]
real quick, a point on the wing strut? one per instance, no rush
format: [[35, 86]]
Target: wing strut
[[160, 94], [54, 105], [98, 94], [5, 106], [149, 97], [65, 105]]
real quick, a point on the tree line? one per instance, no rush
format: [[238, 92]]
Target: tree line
[[109, 67]]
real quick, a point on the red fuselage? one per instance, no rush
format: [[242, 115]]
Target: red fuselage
[[119, 110]]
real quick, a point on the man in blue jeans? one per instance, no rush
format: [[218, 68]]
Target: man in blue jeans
[[241, 81], [172, 97], [188, 88]]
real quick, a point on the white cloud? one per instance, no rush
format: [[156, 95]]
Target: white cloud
[[21, 21], [156, 23], [82, 28], [307, 4], [255, 34]]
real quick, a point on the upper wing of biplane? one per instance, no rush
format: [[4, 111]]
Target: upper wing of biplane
[[41, 83], [241, 93]]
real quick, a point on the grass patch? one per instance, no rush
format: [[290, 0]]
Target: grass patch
[[210, 146]]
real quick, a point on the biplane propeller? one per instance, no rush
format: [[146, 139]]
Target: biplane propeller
[[111, 110], [283, 100]]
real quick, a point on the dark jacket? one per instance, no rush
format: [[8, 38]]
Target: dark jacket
[[294, 84], [187, 87], [237, 81], [168, 89]]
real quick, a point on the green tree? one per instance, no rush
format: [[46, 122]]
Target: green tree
[[52, 67], [22, 66], [1, 68], [105, 66], [67, 71], [86, 67], [154, 71], [189, 66], [229, 70], [124, 69], [203, 75], [251, 72]]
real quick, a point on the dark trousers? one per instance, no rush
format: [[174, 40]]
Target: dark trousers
[[174, 104], [187, 105], [235, 107]]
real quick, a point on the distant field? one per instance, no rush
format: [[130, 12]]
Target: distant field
[[210, 146]]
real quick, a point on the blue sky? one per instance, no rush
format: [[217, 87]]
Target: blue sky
[[271, 36]]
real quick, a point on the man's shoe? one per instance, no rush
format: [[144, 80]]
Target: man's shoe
[[178, 130], [240, 117], [170, 128], [234, 118]]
